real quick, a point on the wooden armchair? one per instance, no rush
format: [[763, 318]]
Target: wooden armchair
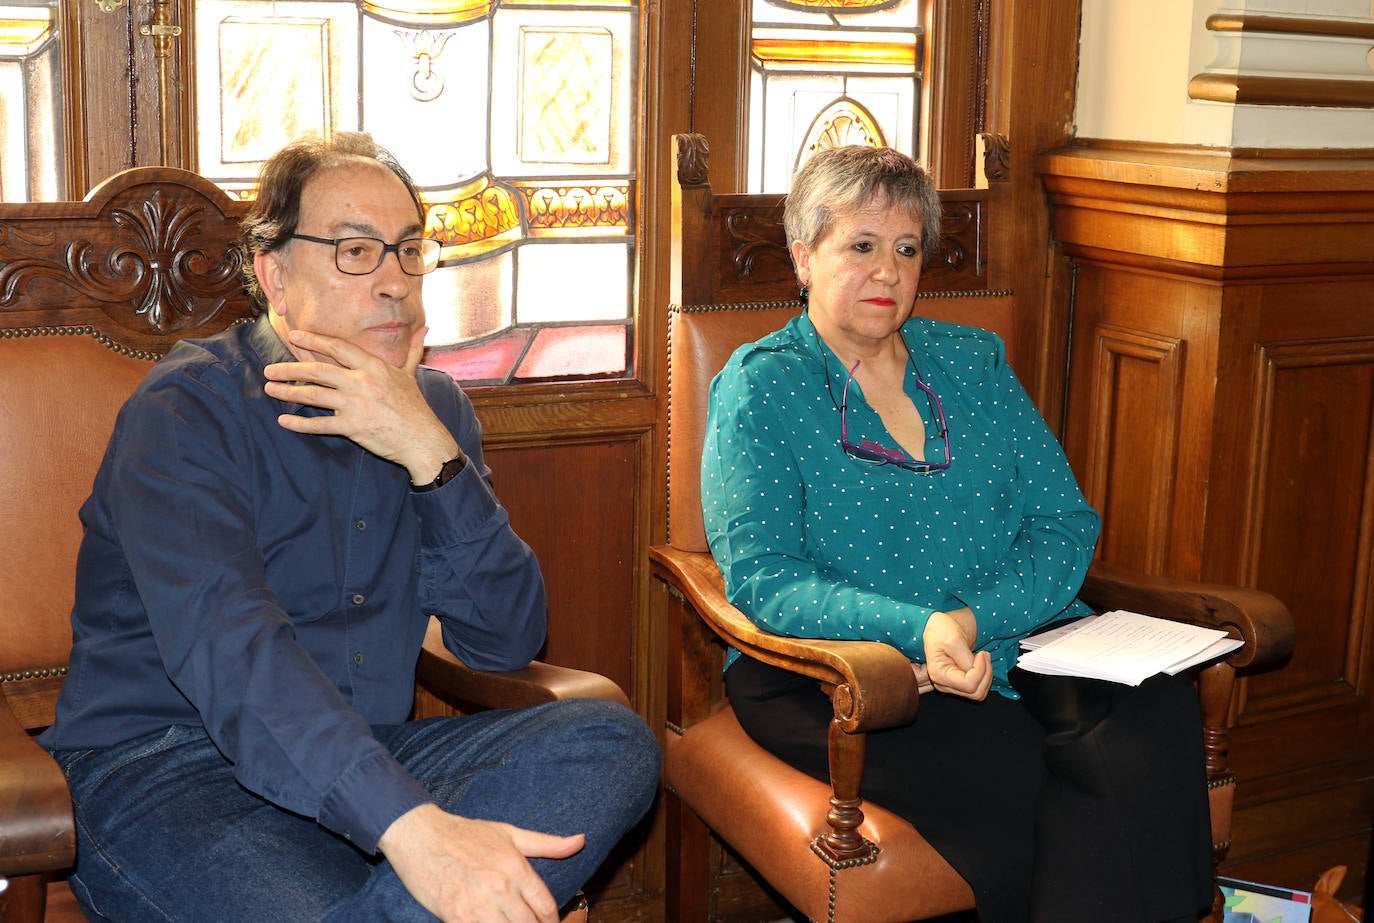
[[91, 293], [831, 856]]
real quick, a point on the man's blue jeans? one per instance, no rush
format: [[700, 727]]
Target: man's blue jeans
[[165, 833]]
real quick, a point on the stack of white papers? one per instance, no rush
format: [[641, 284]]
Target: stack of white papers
[[1123, 647]]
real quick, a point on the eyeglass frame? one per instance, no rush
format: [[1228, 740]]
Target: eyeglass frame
[[870, 451], [386, 248]]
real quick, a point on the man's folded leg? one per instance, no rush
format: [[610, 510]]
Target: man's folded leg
[[166, 833], [578, 766]]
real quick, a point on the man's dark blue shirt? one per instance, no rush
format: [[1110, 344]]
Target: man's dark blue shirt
[[275, 587]]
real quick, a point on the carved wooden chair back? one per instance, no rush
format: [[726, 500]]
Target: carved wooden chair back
[[91, 293]]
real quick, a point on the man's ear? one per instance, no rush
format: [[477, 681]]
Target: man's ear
[[270, 269]]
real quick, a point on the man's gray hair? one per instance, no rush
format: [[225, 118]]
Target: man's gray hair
[[276, 212]]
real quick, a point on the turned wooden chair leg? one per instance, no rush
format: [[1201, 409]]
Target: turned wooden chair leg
[[687, 891], [24, 900]]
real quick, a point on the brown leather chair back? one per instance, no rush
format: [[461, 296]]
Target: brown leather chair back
[[699, 343]]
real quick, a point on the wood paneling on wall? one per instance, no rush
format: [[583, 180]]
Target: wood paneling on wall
[[1221, 416]]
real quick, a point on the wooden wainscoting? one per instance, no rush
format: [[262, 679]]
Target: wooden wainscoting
[[1221, 414]]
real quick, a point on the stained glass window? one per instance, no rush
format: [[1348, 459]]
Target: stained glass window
[[831, 72], [30, 96], [515, 118]]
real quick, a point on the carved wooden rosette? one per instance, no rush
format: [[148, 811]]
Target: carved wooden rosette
[[150, 253]]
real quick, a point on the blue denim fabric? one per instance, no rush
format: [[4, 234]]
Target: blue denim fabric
[[164, 833]]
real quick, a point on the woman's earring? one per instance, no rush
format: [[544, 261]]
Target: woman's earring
[[804, 295]]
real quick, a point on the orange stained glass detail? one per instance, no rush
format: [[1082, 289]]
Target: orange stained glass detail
[[599, 209], [845, 54], [23, 36], [430, 12], [843, 122], [481, 213], [825, 6]]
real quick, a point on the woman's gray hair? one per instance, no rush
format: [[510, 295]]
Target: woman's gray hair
[[841, 180]]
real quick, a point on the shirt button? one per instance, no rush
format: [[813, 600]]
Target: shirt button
[[359, 599], [360, 525], [357, 658]]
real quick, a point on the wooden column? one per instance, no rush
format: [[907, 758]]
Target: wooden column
[[1221, 417]]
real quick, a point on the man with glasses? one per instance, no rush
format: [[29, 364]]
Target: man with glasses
[[280, 509]]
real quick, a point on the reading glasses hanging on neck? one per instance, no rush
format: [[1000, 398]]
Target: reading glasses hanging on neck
[[361, 256], [871, 451]]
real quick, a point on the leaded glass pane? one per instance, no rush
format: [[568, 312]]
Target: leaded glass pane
[[483, 288], [31, 131], [830, 72], [545, 269], [516, 120]]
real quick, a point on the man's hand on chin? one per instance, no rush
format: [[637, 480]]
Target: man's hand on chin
[[376, 404]]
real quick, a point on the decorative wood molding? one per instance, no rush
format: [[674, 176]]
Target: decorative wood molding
[[1265, 90], [996, 157], [693, 159], [151, 252], [156, 270], [1214, 213], [755, 240], [1288, 60], [1291, 25], [960, 251], [753, 252]]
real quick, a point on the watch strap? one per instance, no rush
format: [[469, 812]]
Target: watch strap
[[448, 472]]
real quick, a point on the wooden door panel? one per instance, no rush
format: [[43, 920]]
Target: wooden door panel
[[577, 505], [1130, 467], [1310, 536]]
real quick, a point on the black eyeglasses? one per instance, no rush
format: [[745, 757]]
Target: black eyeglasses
[[868, 450], [360, 256]]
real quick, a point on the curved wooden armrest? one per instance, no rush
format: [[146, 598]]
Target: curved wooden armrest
[[1257, 618], [451, 679], [37, 833], [873, 684]]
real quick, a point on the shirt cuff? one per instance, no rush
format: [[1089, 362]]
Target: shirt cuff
[[454, 513], [369, 796]]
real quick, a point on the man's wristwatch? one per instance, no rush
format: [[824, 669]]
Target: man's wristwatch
[[447, 473]]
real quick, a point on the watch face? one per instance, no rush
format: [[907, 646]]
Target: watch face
[[451, 469], [447, 473]]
